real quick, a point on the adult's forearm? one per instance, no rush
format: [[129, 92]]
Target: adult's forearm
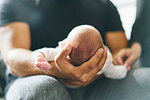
[[19, 63], [112, 39], [15, 42]]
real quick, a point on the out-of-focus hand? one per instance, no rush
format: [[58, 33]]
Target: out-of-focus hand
[[128, 56], [83, 74]]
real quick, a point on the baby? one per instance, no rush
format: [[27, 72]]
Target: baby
[[85, 41]]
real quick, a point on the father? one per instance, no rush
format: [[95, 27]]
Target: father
[[31, 24]]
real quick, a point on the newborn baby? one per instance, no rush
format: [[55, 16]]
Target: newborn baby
[[85, 41]]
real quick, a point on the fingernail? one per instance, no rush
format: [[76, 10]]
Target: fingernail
[[126, 64], [128, 68], [101, 50], [68, 47]]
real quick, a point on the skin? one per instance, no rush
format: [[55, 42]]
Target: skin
[[127, 56], [16, 45], [123, 55], [116, 41]]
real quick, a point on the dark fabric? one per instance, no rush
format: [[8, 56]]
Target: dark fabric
[[52, 20], [141, 30], [2, 73], [134, 87], [2, 76], [41, 87]]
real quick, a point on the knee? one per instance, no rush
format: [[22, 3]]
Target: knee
[[38, 87]]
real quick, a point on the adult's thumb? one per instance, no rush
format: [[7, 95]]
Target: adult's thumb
[[130, 60], [63, 53]]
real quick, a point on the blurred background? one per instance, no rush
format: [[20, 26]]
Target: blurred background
[[127, 10]]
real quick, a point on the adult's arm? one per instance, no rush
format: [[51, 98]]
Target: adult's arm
[[14, 45], [115, 37], [118, 44], [115, 41], [15, 49]]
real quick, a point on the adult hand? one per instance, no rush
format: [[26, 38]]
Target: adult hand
[[77, 83], [84, 73], [128, 56]]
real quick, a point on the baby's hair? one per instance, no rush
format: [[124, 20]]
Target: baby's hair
[[85, 41]]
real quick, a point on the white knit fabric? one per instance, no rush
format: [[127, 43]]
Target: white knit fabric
[[113, 71]]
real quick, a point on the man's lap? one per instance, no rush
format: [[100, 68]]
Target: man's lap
[[39, 87], [134, 86]]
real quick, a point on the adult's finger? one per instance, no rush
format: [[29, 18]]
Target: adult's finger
[[130, 60], [64, 53], [73, 83], [103, 60], [91, 74], [60, 60], [89, 65], [119, 60], [127, 66], [78, 83], [120, 56], [87, 77]]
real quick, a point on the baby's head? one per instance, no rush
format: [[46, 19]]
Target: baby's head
[[85, 41]]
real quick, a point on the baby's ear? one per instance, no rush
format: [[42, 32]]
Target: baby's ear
[[62, 44]]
